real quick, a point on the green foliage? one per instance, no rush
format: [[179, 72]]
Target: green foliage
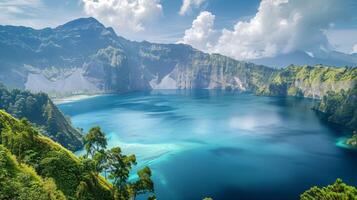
[[340, 107], [40, 110], [310, 81], [336, 87], [338, 190], [61, 175], [117, 165], [20, 182], [95, 141], [50, 160]]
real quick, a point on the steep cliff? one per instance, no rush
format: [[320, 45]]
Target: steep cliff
[[334, 87], [83, 56], [311, 81]]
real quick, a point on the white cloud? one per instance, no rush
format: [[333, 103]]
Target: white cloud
[[280, 26], [126, 16], [188, 4], [201, 34], [354, 49]]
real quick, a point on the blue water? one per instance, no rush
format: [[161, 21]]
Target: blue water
[[223, 145]]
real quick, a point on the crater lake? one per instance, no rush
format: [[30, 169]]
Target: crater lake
[[220, 144]]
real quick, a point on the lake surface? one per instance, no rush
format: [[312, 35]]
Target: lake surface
[[223, 145]]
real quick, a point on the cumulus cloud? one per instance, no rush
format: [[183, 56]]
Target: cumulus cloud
[[127, 16], [188, 4], [202, 33], [279, 26]]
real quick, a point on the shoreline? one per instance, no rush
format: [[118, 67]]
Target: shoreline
[[72, 98], [341, 142]]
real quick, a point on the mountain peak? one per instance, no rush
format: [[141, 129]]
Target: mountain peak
[[82, 23]]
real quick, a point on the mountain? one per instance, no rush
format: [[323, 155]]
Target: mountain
[[40, 110], [83, 56], [33, 166], [336, 87], [331, 58]]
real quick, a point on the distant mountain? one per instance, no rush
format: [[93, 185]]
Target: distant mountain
[[83, 56], [332, 58]]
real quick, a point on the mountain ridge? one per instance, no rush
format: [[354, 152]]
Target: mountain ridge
[[84, 56]]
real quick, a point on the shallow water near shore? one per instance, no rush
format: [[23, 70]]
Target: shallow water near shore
[[225, 145]]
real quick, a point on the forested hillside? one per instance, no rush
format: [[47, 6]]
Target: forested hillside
[[335, 87], [20, 181], [50, 160], [340, 107], [40, 110], [32, 166]]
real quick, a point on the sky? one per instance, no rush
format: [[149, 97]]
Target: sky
[[242, 29]]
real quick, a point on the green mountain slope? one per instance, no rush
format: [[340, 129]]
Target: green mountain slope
[[40, 110], [340, 107], [20, 181], [50, 160], [335, 87]]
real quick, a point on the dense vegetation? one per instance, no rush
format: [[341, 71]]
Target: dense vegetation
[[310, 81], [45, 167], [335, 87], [19, 181], [340, 107], [40, 110], [117, 166], [336, 191]]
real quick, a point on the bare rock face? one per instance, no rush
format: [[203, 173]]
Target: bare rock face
[[83, 56], [76, 82]]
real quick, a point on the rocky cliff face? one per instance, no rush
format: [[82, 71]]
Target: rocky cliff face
[[83, 56], [312, 82]]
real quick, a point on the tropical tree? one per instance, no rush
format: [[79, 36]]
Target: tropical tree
[[338, 190], [119, 167], [95, 141]]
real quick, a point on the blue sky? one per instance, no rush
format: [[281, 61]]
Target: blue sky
[[237, 28]]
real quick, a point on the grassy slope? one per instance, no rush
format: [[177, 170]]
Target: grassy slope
[[20, 181], [51, 160], [40, 110]]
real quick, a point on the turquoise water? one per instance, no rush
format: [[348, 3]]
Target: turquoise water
[[221, 144]]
